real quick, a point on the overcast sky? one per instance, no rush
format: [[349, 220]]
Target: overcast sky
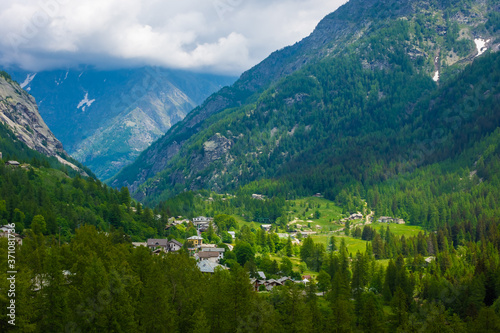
[[218, 36]]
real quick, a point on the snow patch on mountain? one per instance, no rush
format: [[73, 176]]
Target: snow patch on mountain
[[436, 66], [28, 80], [481, 45], [60, 81], [85, 102], [436, 76]]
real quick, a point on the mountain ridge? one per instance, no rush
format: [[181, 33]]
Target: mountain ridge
[[411, 40]]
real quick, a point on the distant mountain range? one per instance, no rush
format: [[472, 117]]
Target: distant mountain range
[[357, 102], [106, 118]]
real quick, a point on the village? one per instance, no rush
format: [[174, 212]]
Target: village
[[210, 256]]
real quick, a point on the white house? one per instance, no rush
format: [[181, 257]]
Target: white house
[[266, 227]]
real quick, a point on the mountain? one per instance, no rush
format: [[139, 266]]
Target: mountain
[[344, 106], [106, 118], [19, 114]]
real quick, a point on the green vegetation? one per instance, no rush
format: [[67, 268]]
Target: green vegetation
[[68, 203], [99, 282], [367, 128], [5, 75]]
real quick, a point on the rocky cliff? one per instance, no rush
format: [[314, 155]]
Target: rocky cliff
[[18, 110]]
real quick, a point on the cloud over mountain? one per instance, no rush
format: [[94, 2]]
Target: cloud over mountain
[[223, 36]]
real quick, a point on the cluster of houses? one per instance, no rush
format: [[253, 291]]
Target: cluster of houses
[[201, 223], [355, 216], [268, 284], [207, 256], [382, 219], [388, 219]]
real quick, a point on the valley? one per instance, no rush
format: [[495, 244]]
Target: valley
[[105, 119], [349, 182]]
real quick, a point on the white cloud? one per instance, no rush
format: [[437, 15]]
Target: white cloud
[[225, 36]]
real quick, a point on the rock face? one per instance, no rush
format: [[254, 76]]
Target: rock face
[[105, 119], [214, 149], [18, 110]]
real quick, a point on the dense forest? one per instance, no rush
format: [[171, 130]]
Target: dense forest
[[100, 283]]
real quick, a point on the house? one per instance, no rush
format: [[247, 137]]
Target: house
[[307, 233], [270, 284], [155, 244], [232, 233], [256, 283], [384, 219], [164, 245], [8, 231], [356, 216], [317, 195], [13, 163], [138, 244], [202, 219], [174, 245], [202, 226], [202, 223], [196, 241], [7, 228], [207, 255], [266, 227], [283, 279], [257, 196], [206, 266], [219, 250], [388, 219]]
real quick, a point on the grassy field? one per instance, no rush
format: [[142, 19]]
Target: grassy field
[[399, 229], [329, 215], [304, 210]]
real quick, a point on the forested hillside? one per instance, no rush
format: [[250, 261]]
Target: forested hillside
[[406, 90]]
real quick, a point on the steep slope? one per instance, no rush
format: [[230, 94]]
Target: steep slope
[[106, 118], [18, 111], [356, 88], [329, 38]]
